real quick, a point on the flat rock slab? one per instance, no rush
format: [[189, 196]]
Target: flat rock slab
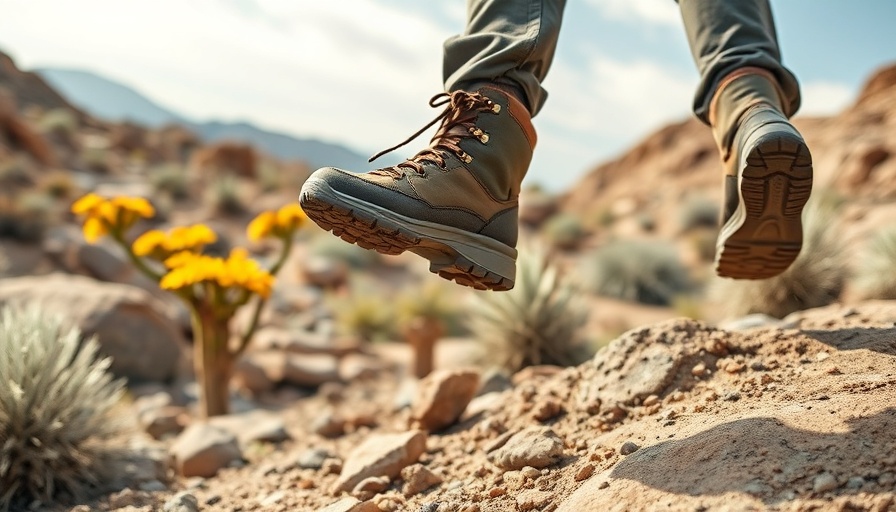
[[381, 455], [538, 447]]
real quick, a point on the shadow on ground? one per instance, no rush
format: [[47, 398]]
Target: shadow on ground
[[853, 338], [768, 459]]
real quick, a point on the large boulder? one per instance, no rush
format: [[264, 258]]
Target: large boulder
[[130, 324]]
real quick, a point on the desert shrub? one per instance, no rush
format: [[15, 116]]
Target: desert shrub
[[27, 217], [225, 197], [56, 406], [270, 177], [698, 212], [366, 315], [434, 300], [171, 179], [816, 278], [876, 276], [539, 321], [564, 231], [59, 184], [649, 272], [59, 121]]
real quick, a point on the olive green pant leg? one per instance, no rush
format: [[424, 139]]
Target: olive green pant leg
[[727, 35], [510, 42]]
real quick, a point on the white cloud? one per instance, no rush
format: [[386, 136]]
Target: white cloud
[[311, 68], [659, 12], [825, 98], [600, 105]]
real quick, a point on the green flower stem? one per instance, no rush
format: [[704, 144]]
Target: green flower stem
[[259, 305], [141, 266]]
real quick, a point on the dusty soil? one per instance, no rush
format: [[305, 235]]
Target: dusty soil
[[796, 416]]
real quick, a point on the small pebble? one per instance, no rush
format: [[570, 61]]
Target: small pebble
[[855, 482], [628, 448], [824, 482], [651, 400], [585, 472], [603, 485], [494, 492], [530, 472], [698, 370], [732, 397]]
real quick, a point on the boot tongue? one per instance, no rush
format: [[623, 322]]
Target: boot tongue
[[736, 95]]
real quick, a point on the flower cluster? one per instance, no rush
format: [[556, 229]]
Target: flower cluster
[[279, 224], [237, 271], [104, 216], [160, 245]]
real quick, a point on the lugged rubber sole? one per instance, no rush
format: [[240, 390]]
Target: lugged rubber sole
[[765, 234], [469, 259]]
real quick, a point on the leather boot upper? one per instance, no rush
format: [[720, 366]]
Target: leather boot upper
[[468, 177]]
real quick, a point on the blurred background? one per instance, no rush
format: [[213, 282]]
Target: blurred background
[[358, 73]]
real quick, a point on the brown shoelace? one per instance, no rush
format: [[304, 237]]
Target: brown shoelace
[[457, 123]]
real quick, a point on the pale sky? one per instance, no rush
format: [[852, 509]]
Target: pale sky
[[359, 72]]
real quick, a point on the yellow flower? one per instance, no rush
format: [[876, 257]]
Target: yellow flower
[[290, 217], [149, 242], [160, 245], [237, 270], [103, 216], [279, 224], [87, 204], [191, 237], [136, 205], [94, 229], [261, 226]]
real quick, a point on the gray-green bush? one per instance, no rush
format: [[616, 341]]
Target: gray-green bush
[[56, 401], [816, 278], [876, 274], [539, 321], [649, 272]]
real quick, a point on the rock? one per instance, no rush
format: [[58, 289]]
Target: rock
[[310, 370], [370, 487], [748, 322], [253, 426], [132, 325], [483, 404], [351, 505], [546, 409], [329, 424], [153, 486], [494, 381], [824, 482], [418, 478], [313, 458], [634, 377], [181, 502], [533, 499], [259, 372], [628, 448], [327, 273], [202, 449], [584, 472], [442, 397], [302, 342], [535, 446], [224, 158], [380, 455], [530, 472], [164, 422]]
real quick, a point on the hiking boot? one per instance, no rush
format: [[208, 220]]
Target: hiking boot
[[454, 203], [768, 179]]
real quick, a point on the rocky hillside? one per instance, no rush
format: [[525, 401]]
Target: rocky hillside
[[794, 415]]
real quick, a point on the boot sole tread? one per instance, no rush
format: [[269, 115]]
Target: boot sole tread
[[383, 236], [775, 185]]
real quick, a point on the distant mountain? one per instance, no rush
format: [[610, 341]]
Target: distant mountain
[[107, 99]]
